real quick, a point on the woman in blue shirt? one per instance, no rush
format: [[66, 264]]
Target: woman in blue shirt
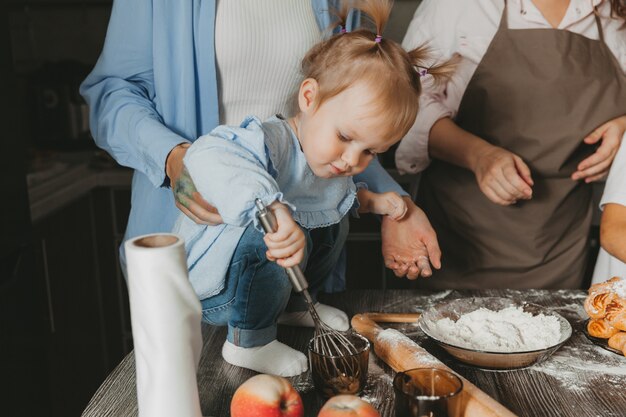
[[157, 86]]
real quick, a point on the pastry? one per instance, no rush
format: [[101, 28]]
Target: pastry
[[616, 313], [606, 305], [618, 341], [601, 328], [605, 286], [596, 303]]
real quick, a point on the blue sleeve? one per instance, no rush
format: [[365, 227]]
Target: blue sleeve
[[378, 179], [120, 93], [230, 171]]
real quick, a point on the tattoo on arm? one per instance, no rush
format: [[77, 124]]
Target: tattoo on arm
[[184, 188]]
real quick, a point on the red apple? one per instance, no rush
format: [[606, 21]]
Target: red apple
[[266, 396], [347, 406]]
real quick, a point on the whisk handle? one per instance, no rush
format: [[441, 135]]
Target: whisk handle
[[268, 221]]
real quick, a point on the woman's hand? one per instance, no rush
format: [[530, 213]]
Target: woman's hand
[[410, 245], [386, 204], [502, 176], [286, 245], [596, 166], [188, 199]]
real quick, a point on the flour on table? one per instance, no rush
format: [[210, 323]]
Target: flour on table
[[580, 365], [507, 330]]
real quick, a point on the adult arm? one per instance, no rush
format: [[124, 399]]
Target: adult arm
[[613, 230], [410, 244], [188, 199], [501, 175], [120, 92], [613, 204]]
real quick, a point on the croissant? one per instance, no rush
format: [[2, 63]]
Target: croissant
[[605, 286], [596, 303], [616, 313], [618, 341], [601, 328]]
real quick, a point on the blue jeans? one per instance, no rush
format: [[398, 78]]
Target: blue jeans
[[257, 290]]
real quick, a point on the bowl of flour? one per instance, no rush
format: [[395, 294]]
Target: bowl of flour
[[495, 333]]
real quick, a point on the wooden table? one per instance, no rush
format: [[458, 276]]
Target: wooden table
[[580, 379]]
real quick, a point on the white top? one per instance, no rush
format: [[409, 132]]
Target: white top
[[272, 52], [608, 266], [466, 28]]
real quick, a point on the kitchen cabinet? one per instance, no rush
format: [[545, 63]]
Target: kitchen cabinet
[[69, 276], [112, 206]]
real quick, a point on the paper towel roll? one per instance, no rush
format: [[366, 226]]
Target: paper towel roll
[[165, 315]]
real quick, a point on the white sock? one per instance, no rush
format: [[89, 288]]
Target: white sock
[[274, 358], [332, 316]]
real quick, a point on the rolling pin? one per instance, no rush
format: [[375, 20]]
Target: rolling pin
[[393, 317], [401, 354]]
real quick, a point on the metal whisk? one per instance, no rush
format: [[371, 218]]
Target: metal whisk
[[326, 341]]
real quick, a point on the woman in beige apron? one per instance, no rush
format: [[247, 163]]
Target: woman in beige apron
[[532, 95]]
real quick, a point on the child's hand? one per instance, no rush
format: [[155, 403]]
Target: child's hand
[[386, 204], [286, 245]]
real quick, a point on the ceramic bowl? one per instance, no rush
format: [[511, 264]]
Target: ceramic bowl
[[454, 309]]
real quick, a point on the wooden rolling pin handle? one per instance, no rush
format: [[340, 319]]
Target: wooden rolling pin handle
[[401, 353], [393, 317], [366, 327]]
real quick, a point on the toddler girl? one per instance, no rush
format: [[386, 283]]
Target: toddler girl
[[359, 97]]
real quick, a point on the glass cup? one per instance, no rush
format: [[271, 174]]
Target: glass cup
[[347, 374], [427, 392]]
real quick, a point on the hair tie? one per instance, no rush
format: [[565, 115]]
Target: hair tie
[[378, 38], [343, 29], [423, 72]]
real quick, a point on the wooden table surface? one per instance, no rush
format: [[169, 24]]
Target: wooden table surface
[[580, 379]]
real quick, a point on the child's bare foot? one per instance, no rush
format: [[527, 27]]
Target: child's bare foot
[[274, 358]]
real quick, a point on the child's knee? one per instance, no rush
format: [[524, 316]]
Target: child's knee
[[277, 277]]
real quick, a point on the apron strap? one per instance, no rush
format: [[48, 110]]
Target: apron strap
[[504, 20], [598, 24]]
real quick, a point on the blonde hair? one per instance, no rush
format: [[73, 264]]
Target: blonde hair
[[364, 56]]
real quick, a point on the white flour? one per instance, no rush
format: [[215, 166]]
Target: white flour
[[619, 288], [579, 366], [507, 330], [393, 338]]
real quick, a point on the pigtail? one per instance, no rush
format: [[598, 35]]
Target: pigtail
[[421, 58], [341, 17], [378, 12]]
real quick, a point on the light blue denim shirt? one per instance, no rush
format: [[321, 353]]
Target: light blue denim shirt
[[155, 86], [233, 166]]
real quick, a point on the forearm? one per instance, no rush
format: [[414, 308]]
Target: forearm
[[378, 179], [450, 143], [613, 230], [364, 197], [217, 166], [120, 92]]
